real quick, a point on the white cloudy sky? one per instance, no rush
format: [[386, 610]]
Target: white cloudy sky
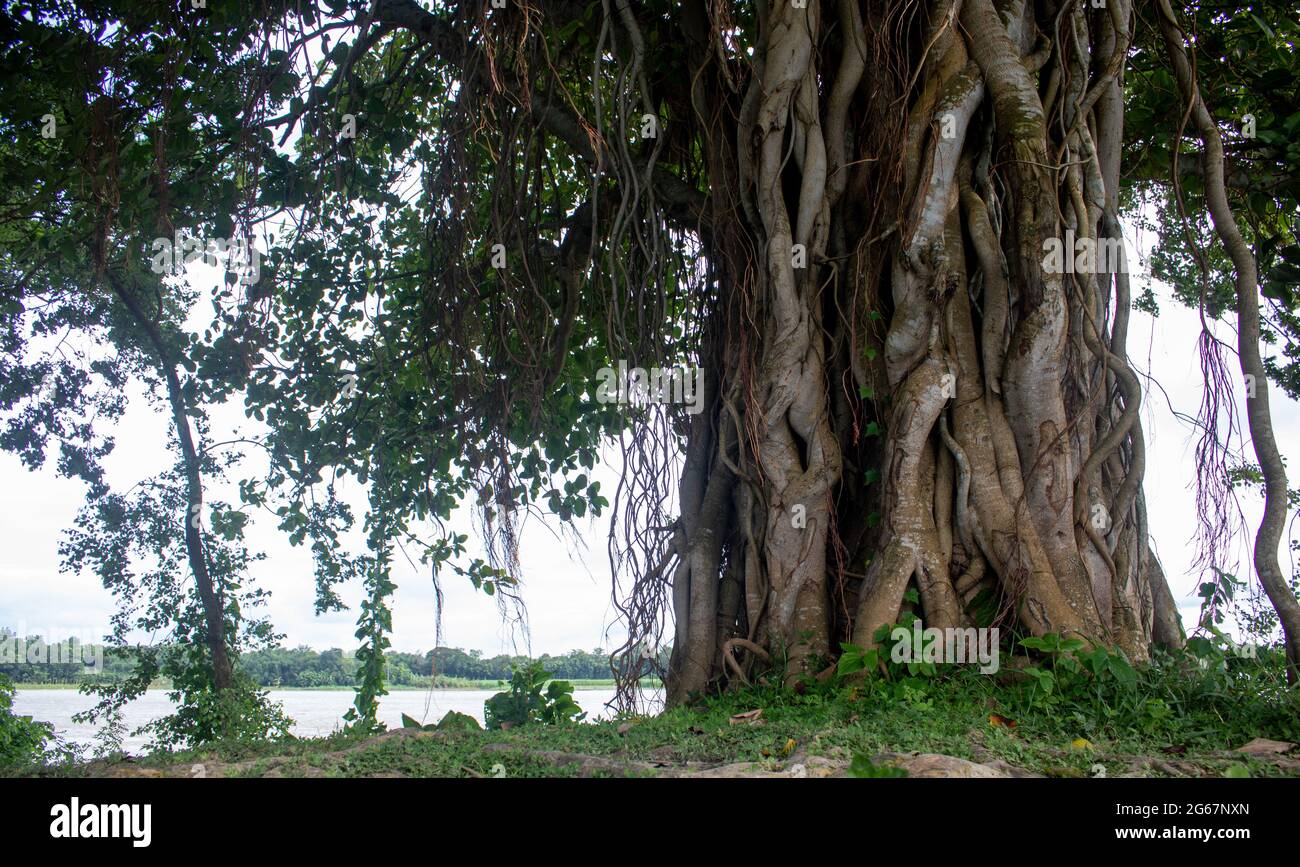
[[567, 591]]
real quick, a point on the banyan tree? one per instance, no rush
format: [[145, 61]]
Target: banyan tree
[[888, 237], [881, 240]]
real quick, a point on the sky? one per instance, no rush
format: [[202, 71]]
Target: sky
[[566, 587]]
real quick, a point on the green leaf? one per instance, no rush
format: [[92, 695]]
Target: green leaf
[[455, 721]]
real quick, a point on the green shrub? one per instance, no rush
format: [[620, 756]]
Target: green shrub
[[532, 698], [22, 740]]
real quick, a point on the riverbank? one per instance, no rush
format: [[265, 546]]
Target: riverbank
[[969, 728], [313, 712]]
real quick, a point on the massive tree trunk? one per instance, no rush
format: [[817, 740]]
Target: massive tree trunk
[[916, 387], [912, 318]]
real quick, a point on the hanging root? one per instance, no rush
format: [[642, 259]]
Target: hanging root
[[728, 654]]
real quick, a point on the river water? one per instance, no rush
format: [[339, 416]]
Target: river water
[[314, 712]]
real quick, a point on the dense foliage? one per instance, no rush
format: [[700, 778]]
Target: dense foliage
[[22, 740]]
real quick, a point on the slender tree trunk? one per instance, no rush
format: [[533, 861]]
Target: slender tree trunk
[[209, 595], [1260, 420]]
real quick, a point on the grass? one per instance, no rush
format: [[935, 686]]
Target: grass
[[1169, 717]]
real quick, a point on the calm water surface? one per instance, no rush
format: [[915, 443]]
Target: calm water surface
[[314, 712]]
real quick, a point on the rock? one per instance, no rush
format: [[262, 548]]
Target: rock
[[1065, 772], [133, 771], [586, 766], [663, 755], [1011, 770], [917, 765], [1266, 747], [931, 765], [816, 767], [734, 769]]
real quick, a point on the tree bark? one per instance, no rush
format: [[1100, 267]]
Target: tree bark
[[996, 415], [210, 595]]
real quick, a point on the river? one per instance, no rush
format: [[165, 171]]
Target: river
[[315, 712]]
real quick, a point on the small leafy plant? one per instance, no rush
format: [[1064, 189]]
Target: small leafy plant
[[452, 721], [533, 697], [1097, 688]]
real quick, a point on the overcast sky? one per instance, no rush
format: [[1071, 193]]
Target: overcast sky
[[567, 591]]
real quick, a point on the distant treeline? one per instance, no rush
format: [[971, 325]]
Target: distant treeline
[[303, 666], [31, 660]]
